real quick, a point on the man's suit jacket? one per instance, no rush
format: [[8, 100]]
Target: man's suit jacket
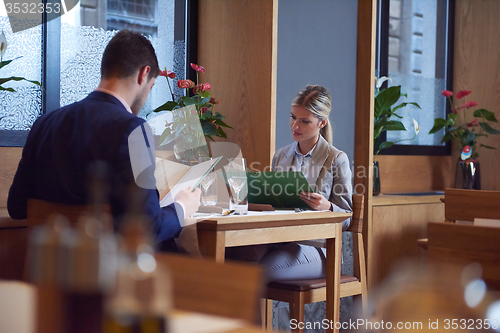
[[330, 174], [63, 144]]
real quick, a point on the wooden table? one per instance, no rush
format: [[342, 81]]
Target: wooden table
[[217, 233]]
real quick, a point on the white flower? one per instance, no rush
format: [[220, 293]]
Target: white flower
[[380, 81], [416, 126], [3, 44]]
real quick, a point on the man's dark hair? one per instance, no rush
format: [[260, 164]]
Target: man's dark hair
[[126, 53]]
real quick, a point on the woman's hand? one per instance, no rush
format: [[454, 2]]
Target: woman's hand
[[315, 200]]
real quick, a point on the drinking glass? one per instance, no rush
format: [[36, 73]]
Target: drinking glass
[[208, 186], [237, 180], [209, 190]]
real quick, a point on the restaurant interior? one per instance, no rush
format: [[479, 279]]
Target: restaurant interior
[[423, 248]]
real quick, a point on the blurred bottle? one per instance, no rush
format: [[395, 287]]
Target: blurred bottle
[[140, 302], [89, 254]]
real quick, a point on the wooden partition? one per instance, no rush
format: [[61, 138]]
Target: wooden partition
[[237, 44], [476, 67]]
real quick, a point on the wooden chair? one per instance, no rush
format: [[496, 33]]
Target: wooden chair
[[300, 292], [230, 289], [459, 245], [40, 211], [465, 205]]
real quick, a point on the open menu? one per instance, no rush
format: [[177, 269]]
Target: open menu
[[278, 188], [172, 177]]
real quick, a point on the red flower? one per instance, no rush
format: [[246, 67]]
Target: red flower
[[455, 111], [198, 68], [163, 73], [213, 101], [463, 93], [469, 104], [447, 93], [185, 84], [204, 109], [473, 123], [171, 74], [201, 87]]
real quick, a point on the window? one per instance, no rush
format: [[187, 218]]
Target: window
[[65, 55], [414, 48]]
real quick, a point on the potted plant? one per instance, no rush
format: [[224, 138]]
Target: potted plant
[[466, 128], [184, 128], [386, 119]]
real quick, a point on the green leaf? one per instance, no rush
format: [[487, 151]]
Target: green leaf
[[385, 145], [395, 125], [166, 137], [6, 62], [205, 94], [208, 127], [447, 137], [218, 116], [189, 100], [469, 138], [221, 123], [7, 89], [488, 115], [489, 147], [222, 134], [208, 114], [488, 129], [438, 124], [402, 105], [386, 99], [202, 101], [169, 106]]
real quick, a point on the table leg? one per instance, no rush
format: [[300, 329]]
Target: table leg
[[212, 244], [333, 263]]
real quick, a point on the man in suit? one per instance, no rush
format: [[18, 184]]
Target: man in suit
[[63, 144]]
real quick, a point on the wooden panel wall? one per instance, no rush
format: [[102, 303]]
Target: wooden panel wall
[[477, 68], [8, 165], [237, 44], [399, 174]]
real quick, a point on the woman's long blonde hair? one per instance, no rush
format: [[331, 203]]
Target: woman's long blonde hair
[[316, 99]]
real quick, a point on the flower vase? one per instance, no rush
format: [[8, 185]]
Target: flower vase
[[376, 178], [468, 175]]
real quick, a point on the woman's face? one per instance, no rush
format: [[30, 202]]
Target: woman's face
[[305, 126]]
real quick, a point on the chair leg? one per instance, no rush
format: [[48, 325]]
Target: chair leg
[[266, 309], [297, 311]]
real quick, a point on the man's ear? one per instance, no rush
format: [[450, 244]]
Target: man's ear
[[143, 75]]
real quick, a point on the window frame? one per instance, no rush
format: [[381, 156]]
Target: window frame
[[382, 64], [186, 12]]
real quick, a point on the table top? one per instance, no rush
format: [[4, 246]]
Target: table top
[[254, 220]]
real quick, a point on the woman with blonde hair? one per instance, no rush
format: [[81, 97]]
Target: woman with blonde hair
[[326, 169]]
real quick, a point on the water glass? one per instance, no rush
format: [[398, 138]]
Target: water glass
[[237, 181], [209, 190]]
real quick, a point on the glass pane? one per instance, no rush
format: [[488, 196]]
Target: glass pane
[[86, 30], [417, 62], [19, 109]]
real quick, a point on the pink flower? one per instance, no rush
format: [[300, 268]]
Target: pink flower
[[213, 101], [185, 84], [171, 74], [455, 111], [469, 104], [198, 68], [447, 93], [463, 93], [201, 87], [473, 123]]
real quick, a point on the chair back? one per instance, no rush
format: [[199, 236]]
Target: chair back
[[230, 289], [357, 213], [466, 205], [39, 211], [459, 244]]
